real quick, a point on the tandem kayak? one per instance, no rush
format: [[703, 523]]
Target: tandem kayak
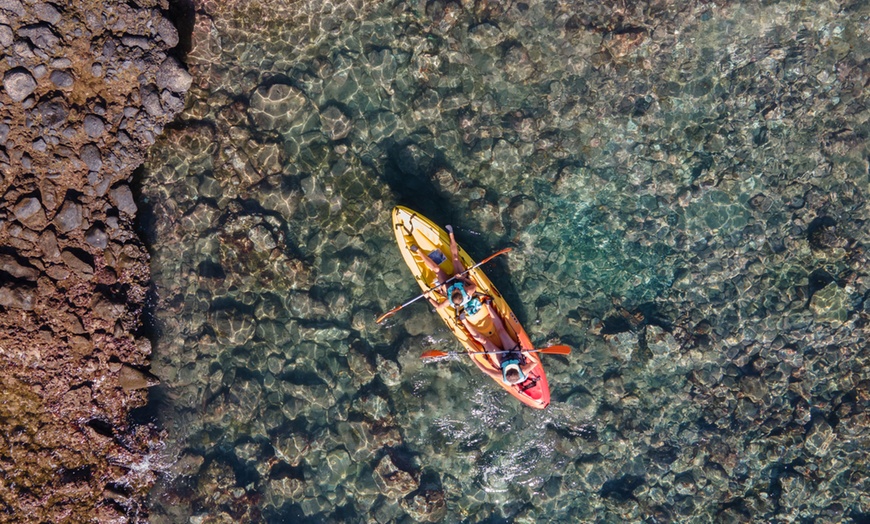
[[411, 228]]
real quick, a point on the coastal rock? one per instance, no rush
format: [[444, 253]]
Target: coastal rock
[[18, 84], [17, 297], [173, 77], [122, 198], [62, 78], [94, 126], [69, 217], [27, 208], [66, 78]]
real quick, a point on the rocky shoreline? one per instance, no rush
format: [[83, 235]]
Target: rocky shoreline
[[87, 87]]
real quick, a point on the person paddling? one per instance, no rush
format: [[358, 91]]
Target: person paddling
[[461, 293], [512, 363]]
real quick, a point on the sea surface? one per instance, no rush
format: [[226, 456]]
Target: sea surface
[[684, 186]]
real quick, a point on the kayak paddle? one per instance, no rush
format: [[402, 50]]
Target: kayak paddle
[[552, 350], [396, 309]]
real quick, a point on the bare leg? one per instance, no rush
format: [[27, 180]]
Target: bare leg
[[507, 342], [428, 262], [488, 346], [458, 266]]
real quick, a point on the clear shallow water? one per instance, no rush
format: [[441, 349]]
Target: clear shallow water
[[685, 191]]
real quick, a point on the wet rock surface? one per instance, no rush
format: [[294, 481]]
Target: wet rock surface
[[74, 275], [684, 186]]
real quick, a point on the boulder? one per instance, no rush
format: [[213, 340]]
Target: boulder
[[69, 217], [10, 265], [61, 78], [831, 304], [47, 13], [392, 482], [122, 198], [132, 379], [91, 156], [94, 126], [278, 107], [97, 237], [335, 124], [18, 83], [82, 268], [173, 77], [40, 35], [6, 36], [17, 297], [26, 208]]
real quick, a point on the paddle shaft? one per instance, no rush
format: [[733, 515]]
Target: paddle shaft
[[553, 350], [454, 277]]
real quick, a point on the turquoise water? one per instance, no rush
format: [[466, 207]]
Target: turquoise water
[[684, 187]]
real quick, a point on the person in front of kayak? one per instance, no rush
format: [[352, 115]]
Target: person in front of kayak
[[513, 365], [461, 293]]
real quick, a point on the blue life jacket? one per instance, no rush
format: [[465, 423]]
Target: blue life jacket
[[470, 303]]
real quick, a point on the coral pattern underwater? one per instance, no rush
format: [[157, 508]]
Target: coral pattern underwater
[[685, 188]]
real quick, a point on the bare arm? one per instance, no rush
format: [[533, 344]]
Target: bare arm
[[440, 305], [528, 366], [470, 287]]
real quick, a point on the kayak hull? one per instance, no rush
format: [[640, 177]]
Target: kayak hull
[[411, 228]]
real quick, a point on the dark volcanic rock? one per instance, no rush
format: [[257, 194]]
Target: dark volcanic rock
[[173, 77], [69, 217], [94, 126], [61, 78]]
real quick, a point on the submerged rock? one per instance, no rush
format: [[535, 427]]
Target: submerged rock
[[279, 107], [831, 304], [335, 124], [393, 482]]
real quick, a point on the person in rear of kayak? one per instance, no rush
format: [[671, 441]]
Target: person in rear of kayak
[[514, 366]]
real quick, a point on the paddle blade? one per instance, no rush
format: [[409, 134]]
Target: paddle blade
[[432, 353], [387, 315], [556, 350]]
